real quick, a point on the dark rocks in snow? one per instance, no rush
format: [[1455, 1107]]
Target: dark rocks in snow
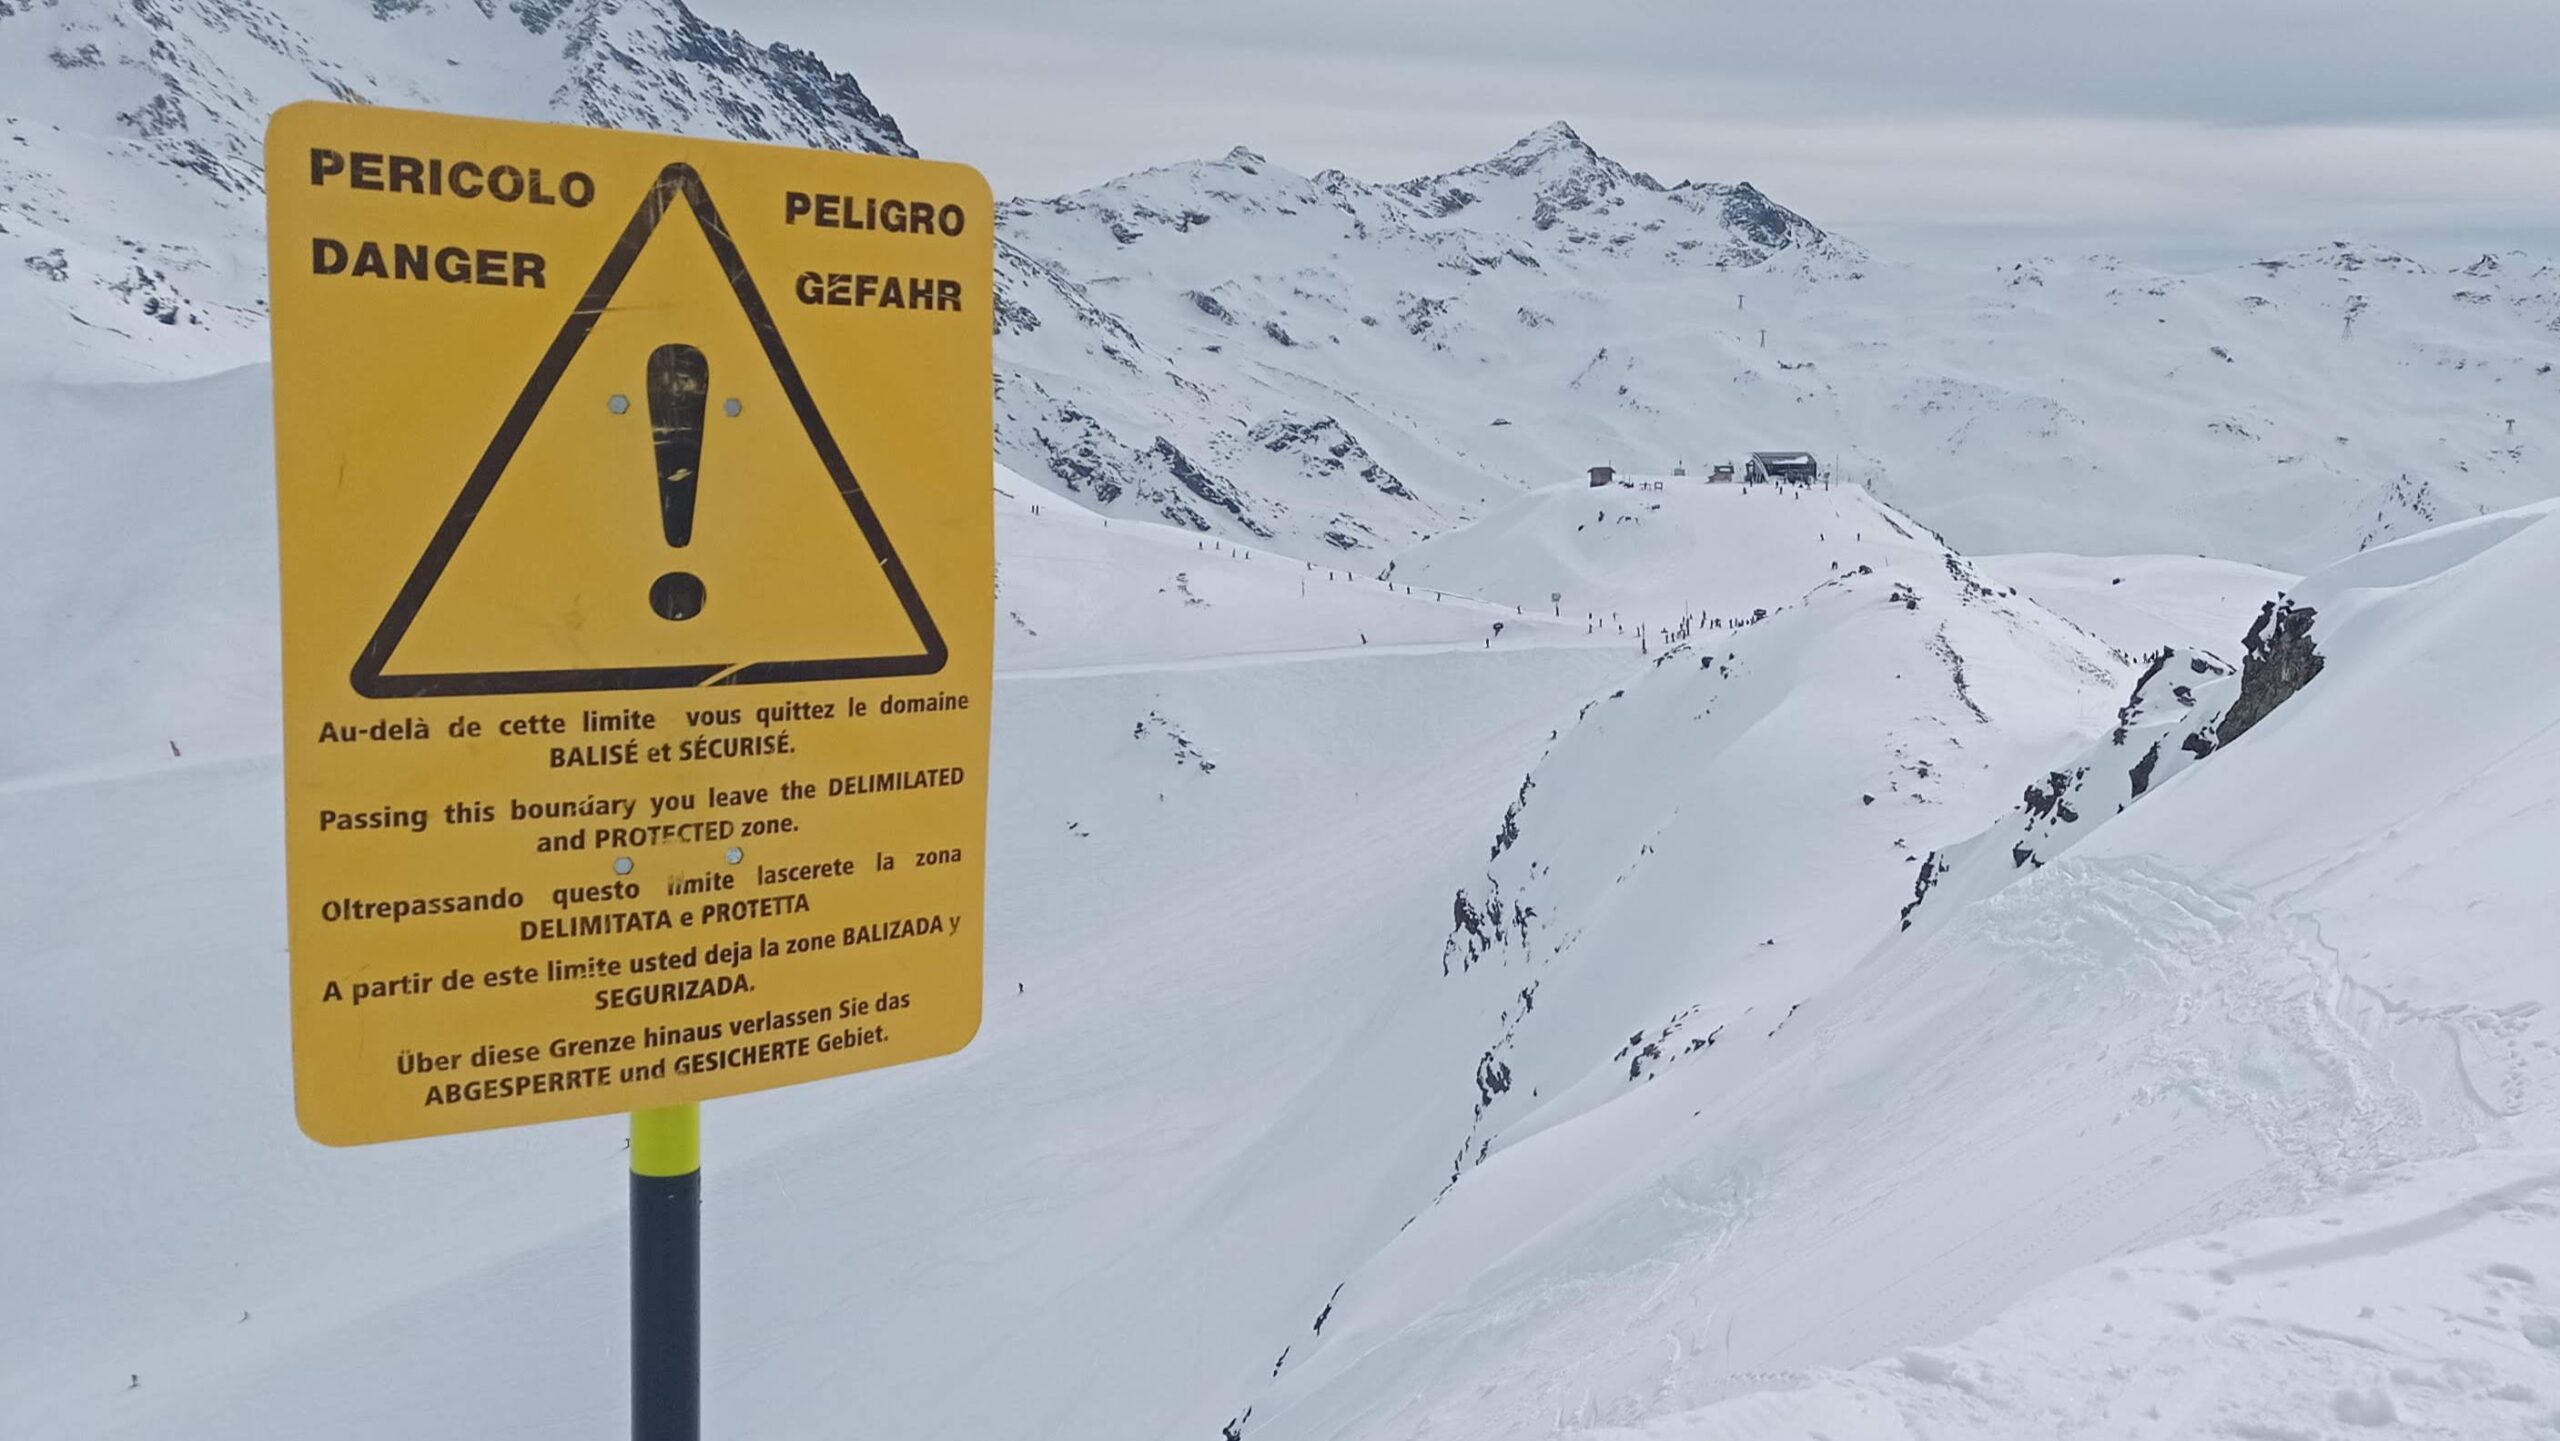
[[1012, 316], [1323, 448], [1493, 1078], [1755, 216], [1184, 751], [1474, 931], [1945, 651], [1932, 871], [2144, 699], [2281, 660], [1204, 485], [2132, 708], [1962, 574], [2047, 802], [1421, 313], [1505, 838], [1209, 306], [1644, 1054], [1327, 1313], [2142, 769]]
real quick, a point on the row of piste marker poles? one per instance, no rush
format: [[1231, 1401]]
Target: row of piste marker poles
[[1690, 620]]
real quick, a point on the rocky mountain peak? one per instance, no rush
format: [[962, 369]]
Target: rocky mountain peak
[[1556, 138], [1565, 168]]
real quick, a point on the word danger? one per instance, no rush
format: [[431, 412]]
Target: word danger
[[422, 261]]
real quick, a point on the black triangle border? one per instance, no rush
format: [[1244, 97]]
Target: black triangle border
[[678, 180]]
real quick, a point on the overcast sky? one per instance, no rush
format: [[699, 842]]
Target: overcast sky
[[2202, 129]]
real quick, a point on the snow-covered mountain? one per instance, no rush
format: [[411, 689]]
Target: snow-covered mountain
[[1332, 364], [131, 184], [1324, 364], [1229, 345]]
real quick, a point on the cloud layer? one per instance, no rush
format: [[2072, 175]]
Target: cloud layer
[[2204, 127]]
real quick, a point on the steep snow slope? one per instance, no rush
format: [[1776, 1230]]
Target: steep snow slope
[[2140, 603], [2413, 1306], [1086, 1225], [1324, 362], [1201, 922], [1332, 1091], [1077, 593], [131, 185], [2309, 967], [1235, 1066], [1657, 550], [2376, 960]]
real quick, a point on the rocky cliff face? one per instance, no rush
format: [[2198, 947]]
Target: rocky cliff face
[[2280, 660]]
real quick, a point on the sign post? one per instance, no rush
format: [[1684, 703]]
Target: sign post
[[637, 550], [666, 1274]]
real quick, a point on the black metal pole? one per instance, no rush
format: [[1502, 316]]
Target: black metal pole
[[666, 1275]]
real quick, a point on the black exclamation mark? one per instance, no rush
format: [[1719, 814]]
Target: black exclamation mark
[[679, 387]]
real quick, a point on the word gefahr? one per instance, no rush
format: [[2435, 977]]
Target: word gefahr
[[877, 292]]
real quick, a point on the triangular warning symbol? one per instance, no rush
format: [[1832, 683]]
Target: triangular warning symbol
[[688, 442]]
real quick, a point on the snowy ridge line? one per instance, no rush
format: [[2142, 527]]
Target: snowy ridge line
[[1300, 657]]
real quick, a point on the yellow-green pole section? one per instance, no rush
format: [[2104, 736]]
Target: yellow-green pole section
[[666, 1141], [666, 1274]]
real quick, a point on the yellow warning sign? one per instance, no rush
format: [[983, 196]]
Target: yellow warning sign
[[638, 579]]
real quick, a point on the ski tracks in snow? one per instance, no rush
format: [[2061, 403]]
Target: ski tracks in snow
[[2139, 1044]]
